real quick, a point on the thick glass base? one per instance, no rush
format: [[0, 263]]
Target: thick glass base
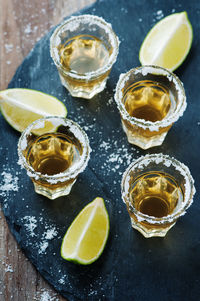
[[144, 142], [151, 231], [87, 90], [53, 193]]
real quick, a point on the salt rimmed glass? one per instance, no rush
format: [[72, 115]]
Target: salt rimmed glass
[[147, 133], [54, 151], [153, 176], [89, 83]]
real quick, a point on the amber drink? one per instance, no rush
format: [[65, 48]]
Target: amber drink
[[157, 190], [54, 151], [150, 99], [84, 48]]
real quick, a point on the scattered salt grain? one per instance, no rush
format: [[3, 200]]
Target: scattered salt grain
[[8, 47], [50, 233], [9, 268], [159, 14], [105, 145], [45, 295], [124, 10], [27, 29], [110, 101], [42, 247], [63, 280], [9, 183], [30, 225], [35, 28], [88, 127], [92, 292]]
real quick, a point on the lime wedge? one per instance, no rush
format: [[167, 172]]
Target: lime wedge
[[85, 239], [20, 107], [168, 42]]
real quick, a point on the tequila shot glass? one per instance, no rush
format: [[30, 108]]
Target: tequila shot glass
[[54, 151], [157, 190], [150, 99], [84, 49]]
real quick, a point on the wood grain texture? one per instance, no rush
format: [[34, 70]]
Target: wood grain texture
[[22, 23]]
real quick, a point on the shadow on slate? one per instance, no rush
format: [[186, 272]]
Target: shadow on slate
[[131, 267]]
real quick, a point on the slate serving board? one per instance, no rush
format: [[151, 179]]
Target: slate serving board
[[131, 267]]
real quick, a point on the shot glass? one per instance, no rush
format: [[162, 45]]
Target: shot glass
[[157, 190], [54, 151], [150, 99], [84, 49]]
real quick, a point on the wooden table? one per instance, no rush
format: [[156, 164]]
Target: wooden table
[[22, 23]]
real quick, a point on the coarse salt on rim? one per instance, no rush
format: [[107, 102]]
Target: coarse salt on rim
[[167, 161], [74, 170], [72, 24], [152, 126]]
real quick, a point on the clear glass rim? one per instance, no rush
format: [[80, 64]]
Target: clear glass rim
[[87, 19], [66, 175], [159, 158], [152, 126]]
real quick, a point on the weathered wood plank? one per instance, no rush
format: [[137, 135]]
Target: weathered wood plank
[[22, 23]]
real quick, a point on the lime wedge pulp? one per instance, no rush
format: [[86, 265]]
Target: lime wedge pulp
[[20, 107], [168, 42], [85, 239]]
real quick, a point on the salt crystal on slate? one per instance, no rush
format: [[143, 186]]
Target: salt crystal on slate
[[10, 182]]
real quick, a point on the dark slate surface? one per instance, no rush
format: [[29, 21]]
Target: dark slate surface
[[131, 267]]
